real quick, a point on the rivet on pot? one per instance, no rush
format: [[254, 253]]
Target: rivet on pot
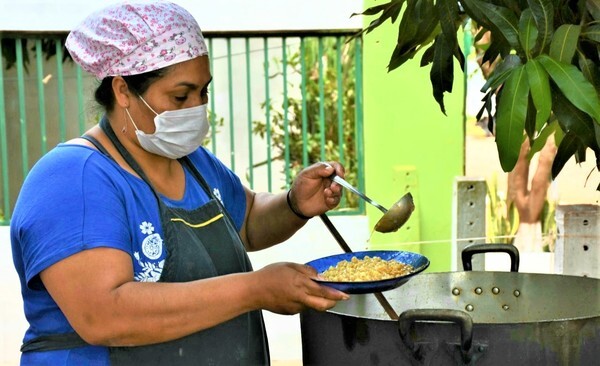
[[478, 290], [495, 290], [455, 291], [469, 307], [505, 307], [517, 293]]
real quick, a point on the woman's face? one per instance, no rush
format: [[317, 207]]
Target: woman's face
[[184, 85]]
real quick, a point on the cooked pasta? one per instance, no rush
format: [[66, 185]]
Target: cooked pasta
[[366, 269]]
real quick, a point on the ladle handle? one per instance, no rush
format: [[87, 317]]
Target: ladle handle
[[339, 180], [346, 248], [336, 234]]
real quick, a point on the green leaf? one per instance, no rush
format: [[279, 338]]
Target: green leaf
[[559, 134], [510, 121], [572, 120], [543, 13], [539, 84], [375, 9], [449, 21], [409, 24], [501, 72], [458, 55], [448, 15], [429, 22], [442, 70], [593, 6], [530, 119], [564, 42], [589, 70], [567, 148], [486, 107], [389, 10], [492, 52], [475, 12], [573, 85], [592, 33], [597, 139], [527, 31], [499, 19], [513, 5], [580, 154], [418, 27], [540, 140], [427, 57]]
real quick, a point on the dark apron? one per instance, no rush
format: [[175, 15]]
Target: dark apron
[[200, 243]]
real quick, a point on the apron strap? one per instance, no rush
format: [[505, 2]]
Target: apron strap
[[96, 144], [105, 126], [185, 161], [54, 342]]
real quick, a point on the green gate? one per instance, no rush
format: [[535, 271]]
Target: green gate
[[278, 102]]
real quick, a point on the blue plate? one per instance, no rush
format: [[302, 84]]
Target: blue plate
[[417, 261]]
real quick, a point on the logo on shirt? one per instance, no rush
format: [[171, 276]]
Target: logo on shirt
[[153, 244], [217, 194], [150, 271], [152, 248]]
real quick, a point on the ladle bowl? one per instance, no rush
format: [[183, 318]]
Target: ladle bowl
[[397, 215], [392, 219]]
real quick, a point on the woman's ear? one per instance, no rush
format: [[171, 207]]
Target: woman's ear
[[121, 92]]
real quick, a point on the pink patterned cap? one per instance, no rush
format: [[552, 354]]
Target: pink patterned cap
[[135, 37]]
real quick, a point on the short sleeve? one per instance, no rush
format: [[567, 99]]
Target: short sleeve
[[68, 203]]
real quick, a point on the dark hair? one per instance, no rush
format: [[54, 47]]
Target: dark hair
[[136, 83]]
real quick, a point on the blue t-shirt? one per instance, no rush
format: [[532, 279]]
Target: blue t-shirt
[[75, 198]]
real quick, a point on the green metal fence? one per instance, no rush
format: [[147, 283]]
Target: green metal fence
[[278, 102]]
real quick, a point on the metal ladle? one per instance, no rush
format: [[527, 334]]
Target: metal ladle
[[393, 218]]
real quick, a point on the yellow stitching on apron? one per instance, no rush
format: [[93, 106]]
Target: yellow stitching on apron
[[202, 224]]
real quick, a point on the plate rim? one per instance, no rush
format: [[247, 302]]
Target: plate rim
[[372, 286]]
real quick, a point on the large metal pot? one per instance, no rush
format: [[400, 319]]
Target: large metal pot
[[463, 318]]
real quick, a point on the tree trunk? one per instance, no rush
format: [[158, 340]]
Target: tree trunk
[[529, 200]]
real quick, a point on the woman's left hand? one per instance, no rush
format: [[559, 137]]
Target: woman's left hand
[[314, 192]]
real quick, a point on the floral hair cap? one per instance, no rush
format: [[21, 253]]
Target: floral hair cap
[[135, 37]]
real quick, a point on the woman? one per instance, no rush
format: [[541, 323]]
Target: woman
[[131, 241]]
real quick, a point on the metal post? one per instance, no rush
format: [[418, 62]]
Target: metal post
[[468, 225], [577, 249], [268, 114]]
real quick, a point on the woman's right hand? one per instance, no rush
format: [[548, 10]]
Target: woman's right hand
[[288, 288]]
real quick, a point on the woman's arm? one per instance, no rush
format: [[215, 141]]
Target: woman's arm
[[269, 219], [96, 292]]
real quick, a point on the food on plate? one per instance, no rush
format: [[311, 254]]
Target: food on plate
[[366, 269]]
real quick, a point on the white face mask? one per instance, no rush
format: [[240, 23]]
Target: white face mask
[[178, 133]]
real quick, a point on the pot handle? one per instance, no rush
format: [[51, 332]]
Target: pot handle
[[464, 320], [472, 249]]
